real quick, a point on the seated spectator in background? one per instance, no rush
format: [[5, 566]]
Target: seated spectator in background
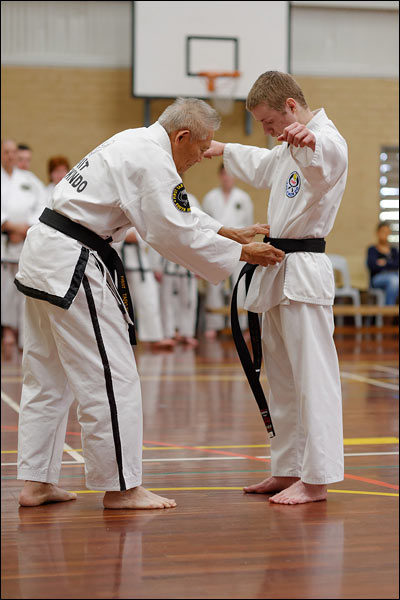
[[57, 168], [24, 157], [383, 265]]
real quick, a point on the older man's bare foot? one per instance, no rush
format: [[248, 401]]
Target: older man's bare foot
[[35, 493], [136, 498], [270, 485], [300, 493]]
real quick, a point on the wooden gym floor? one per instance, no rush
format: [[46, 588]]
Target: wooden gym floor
[[204, 440]]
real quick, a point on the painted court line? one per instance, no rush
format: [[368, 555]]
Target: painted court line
[[206, 489], [204, 458], [231, 377], [78, 458], [346, 442], [383, 384]]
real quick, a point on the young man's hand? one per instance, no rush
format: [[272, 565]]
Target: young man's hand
[[297, 134], [215, 149]]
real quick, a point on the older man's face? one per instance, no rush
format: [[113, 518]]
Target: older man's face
[[187, 152], [9, 155]]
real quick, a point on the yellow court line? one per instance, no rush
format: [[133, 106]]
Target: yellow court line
[[190, 489], [346, 442]]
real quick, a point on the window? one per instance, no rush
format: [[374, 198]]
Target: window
[[389, 190]]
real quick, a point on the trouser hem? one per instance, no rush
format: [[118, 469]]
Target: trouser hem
[[114, 487], [39, 476]]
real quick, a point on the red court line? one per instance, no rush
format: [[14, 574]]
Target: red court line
[[374, 481], [207, 450]]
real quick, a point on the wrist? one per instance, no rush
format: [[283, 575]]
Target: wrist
[[229, 232]]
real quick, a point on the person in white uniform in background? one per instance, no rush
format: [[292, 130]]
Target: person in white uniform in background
[[178, 297], [234, 208], [57, 168], [24, 157], [78, 327], [145, 291], [22, 201], [306, 175]]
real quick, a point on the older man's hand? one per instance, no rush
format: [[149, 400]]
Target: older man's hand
[[258, 253], [244, 235]]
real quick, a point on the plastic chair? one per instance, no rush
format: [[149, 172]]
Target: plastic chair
[[379, 296], [339, 264]]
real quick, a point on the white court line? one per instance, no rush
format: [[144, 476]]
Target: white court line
[[391, 370], [172, 377], [78, 458], [383, 384], [203, 458]]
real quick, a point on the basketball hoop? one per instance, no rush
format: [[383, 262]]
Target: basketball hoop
[[221, 86]]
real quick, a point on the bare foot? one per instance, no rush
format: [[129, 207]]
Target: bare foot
[[136, 498], [35, 493], [190, 341], [210, 334], [167, 344], [300, 493], [270, 485]]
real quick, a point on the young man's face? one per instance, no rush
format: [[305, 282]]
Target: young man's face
[[273, 121], [187, 152]]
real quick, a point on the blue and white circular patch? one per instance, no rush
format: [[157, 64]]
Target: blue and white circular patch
[[293, 185]]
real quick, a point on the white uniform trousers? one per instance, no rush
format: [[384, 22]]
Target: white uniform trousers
[[215, 298], [84, 349], [146, 303], [305, 392], [12, 302], [178, 300]]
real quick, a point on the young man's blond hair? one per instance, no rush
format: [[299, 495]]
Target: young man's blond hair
[[273, 88]]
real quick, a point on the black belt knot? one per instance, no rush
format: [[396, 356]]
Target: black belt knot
[[102, 246]]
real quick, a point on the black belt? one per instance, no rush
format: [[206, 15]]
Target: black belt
[[108, 255], [252, 366]]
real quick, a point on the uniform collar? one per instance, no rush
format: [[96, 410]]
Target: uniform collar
[[318, 119], [158, 133]]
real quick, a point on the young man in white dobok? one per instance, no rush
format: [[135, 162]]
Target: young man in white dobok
[[306, 175]]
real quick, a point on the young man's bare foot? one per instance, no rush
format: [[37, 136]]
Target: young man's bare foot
[[35, 493], [136, 498], [300, 493], [270, 485]]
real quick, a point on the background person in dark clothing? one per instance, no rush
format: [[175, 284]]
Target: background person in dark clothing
[[383, 265]]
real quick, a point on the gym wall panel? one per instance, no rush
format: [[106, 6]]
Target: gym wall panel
[[70, 111]]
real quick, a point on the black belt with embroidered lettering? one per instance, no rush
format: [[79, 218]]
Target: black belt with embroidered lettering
[[252, 365], [102, 246]]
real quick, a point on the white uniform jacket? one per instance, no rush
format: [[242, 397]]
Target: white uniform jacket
[[237, 211], [22, 201], [306, 190], [130, 179]]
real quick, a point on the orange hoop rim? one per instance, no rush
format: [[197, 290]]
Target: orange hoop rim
[[213, 75]]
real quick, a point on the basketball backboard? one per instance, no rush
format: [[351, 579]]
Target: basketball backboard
[[173, 41]]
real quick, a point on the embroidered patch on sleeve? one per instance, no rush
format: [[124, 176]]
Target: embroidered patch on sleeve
[[180, 198]]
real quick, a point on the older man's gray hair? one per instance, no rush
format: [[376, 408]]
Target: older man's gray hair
[[193, 114]]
